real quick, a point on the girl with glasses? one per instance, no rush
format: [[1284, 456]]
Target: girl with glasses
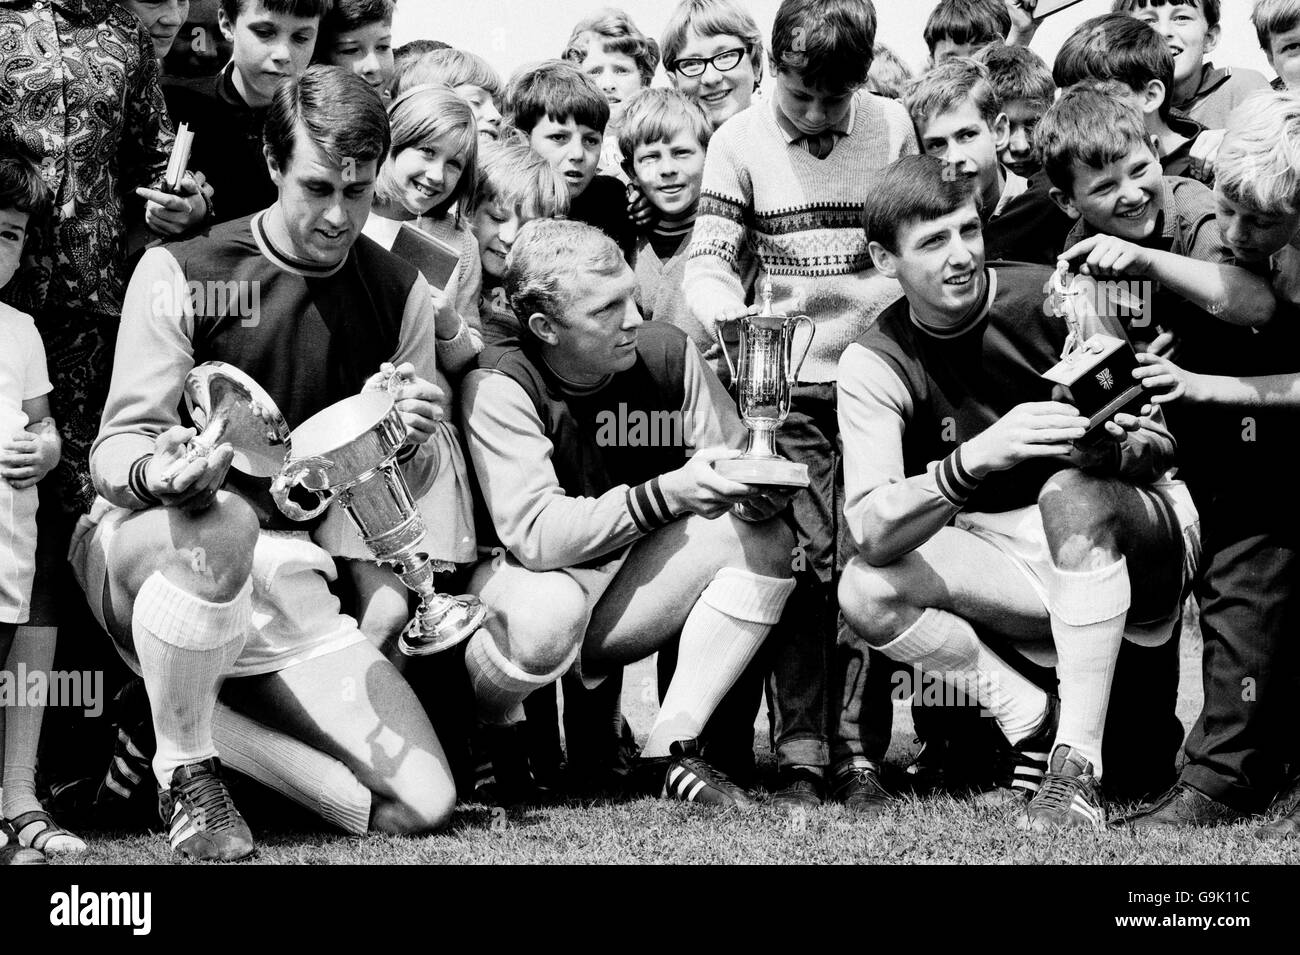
[[713, 53]]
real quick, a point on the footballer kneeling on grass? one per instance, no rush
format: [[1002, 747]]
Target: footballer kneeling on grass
[[975, 501], [593, 437]]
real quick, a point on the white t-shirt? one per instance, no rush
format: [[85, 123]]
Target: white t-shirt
[[23, 375]]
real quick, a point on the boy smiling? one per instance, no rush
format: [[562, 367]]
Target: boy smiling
[[664, 137], [1131, 220], [1206, 93]]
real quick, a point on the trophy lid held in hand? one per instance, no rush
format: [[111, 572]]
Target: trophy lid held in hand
[[229, 407]]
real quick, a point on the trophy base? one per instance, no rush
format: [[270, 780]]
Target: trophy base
[[460, 617], [1131, 400], [773, 471]]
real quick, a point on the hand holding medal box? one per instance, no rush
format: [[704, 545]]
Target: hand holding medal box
[[1097, 372]]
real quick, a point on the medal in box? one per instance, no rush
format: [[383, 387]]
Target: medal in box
[[1098, 375], [1097, 372]]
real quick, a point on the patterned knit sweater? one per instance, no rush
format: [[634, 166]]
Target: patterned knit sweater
[[802, 217]]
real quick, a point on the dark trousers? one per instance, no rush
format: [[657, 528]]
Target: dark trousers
[[1143, 733], [828, 695], [1250, 610]]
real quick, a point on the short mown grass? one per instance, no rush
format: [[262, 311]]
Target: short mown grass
[[935, 829]]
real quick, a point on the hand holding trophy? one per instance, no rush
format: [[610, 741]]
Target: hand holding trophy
[[347, 451], [764, 376]]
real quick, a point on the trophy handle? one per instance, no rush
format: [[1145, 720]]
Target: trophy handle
[[386, 379], [294, 474], [793, 372], [726, 355]]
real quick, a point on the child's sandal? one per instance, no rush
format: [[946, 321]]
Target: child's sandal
[[38, 830]]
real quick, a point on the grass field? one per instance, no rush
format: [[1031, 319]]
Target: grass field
[[931, 830]]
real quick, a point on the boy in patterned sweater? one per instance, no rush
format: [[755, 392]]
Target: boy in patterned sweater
[[784, 183]]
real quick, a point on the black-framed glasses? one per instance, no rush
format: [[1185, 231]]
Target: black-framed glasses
[[723, 62]]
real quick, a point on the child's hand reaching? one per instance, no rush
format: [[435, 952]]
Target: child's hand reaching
[[1166, 380], [1108, 256], [30, 455]]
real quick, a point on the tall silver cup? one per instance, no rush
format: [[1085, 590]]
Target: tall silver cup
[[764, 375], [348, 452]]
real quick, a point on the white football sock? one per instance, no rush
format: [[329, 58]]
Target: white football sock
[[185, 645], [306, 776], [722, 633], [500, 686], [1087, 609], [943, 643]]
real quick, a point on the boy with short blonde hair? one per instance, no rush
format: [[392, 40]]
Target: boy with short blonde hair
[[663, 139], [889, 76], [515, 185]]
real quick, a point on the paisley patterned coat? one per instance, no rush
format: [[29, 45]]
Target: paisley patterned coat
[[79, 92]]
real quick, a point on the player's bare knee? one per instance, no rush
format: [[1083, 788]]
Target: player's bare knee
[[545, 638], [765, 548], [381, 624], [431, 811], [871, 603], [212, 550], [1080, 518]]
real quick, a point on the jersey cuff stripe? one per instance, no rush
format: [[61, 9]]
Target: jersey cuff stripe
[[950, 483], [135, 481], [648, 507]]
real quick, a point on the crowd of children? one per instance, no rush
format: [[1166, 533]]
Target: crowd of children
[[606, 236]]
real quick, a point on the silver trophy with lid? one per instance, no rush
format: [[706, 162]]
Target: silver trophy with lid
[[345, 453]]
